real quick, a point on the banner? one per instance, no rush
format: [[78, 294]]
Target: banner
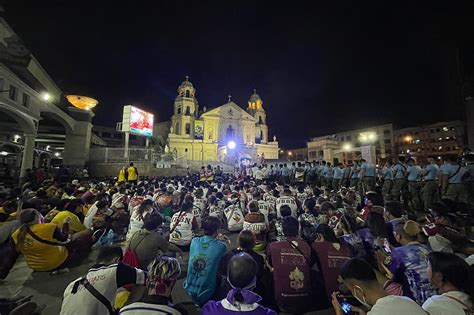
[[198, 129]]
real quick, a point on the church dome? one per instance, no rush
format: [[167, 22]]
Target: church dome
[[255, 97], [186, 84]]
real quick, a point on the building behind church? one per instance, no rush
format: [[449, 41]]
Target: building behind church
[[204, 135]]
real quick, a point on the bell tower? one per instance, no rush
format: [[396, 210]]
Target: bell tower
[[255, 109], [186, 109]]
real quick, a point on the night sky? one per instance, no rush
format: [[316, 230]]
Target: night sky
[[319, 68]]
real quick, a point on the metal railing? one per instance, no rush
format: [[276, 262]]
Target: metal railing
[[120, 155]]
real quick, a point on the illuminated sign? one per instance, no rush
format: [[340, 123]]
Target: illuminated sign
[[137, 121]]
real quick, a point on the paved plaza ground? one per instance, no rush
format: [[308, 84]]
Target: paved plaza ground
[[48, 290]]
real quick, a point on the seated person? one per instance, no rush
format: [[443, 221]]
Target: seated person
[[106, 277], [241, 275], [205, 255], [359, 277], [148, 242], [183, 224], [450, 274], [276, 227], [331, 255], [41, 243], [255, 221], [73, 210], [234, 215], [162, 274]]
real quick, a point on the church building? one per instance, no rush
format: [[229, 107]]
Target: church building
[[224, 134]]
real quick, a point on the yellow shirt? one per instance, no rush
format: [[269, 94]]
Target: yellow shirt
[[121, 176], [132, 174], [40, 256], [75, 225]]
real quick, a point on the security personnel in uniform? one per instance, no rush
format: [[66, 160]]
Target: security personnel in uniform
[[368, 176], [453, 174], [387, 178], [400, 186], [430, 190], [355, 175], [337, 177], [132, 174], [414, 184]]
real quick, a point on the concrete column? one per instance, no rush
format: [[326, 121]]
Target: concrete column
[[76, 149], [28, 151], [127, 141]]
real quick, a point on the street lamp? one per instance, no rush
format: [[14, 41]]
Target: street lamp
[[346, 146], [3, 153]]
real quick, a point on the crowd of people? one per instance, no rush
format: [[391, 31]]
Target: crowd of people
[[310, 236]]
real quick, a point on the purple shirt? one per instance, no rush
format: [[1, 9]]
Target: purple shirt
[[224, 307]]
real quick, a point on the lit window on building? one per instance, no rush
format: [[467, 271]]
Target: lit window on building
[[445, 129]]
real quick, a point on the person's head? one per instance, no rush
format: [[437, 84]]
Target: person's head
[[131, 164], [152, 221], [163, 271], [309, 205], [431, 160], [361, 280], [410, 162], [102, 205], [290, 226], [388, 163], [285, 211], [199, 193], [241, 274], [75, 206], [109, 255], [327, 233], [401, 159], [327, 207], [373, 199], [210, 225], [376, 224], [253, 206], [407, 232], [186, 206], [246, 240], [449, 272], [393, 210]]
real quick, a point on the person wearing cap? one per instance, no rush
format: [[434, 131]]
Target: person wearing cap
[[414, 184], [242, 278], [430, 187], [163, 272]]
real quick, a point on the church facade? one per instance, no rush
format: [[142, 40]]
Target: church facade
[[224, 134]]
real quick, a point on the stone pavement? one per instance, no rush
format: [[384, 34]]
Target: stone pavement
[[48, 290]]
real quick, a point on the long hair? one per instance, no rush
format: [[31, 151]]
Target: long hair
[[27, 217], [454, 270], [376, 224]]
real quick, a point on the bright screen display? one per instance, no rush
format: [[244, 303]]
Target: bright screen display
[[141, 122]]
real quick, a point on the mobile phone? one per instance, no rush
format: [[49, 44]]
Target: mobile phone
[[346, 301], [346, 308], [386, 247]]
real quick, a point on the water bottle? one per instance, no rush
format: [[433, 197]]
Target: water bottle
[[109, 241]]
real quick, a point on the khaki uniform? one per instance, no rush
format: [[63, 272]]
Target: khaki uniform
[[456, 193], [414, 189], [430, 194]]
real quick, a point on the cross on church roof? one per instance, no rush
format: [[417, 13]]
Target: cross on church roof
[[230, 97], [254, 91], [187, 77]]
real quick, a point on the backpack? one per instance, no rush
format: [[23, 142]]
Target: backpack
[[130, 257]]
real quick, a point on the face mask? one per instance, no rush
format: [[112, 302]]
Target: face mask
[[362, 301]]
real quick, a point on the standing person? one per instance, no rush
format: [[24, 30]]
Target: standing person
[[292, 168], [359, 277], [329, 175], [450, 274], [368, 175], [105, 277], [299, 173], [290, 260], [414, 185], [337, 177], [162, 274], [408, 264], [205, 255], [387, 178], [469, 183], [122, 176], [452, 184], [132, 174], [285, 174], [400, 185], [355, 175], [258, 175], [430, 188]]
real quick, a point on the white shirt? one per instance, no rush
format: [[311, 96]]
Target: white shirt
[[443, 305], [89, 219], [289, 201], [235, 218], [258, 174], [140, 308], [396, 305], [183, 233]]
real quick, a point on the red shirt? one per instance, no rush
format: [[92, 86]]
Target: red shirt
[[291, 274], [331, 261]]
